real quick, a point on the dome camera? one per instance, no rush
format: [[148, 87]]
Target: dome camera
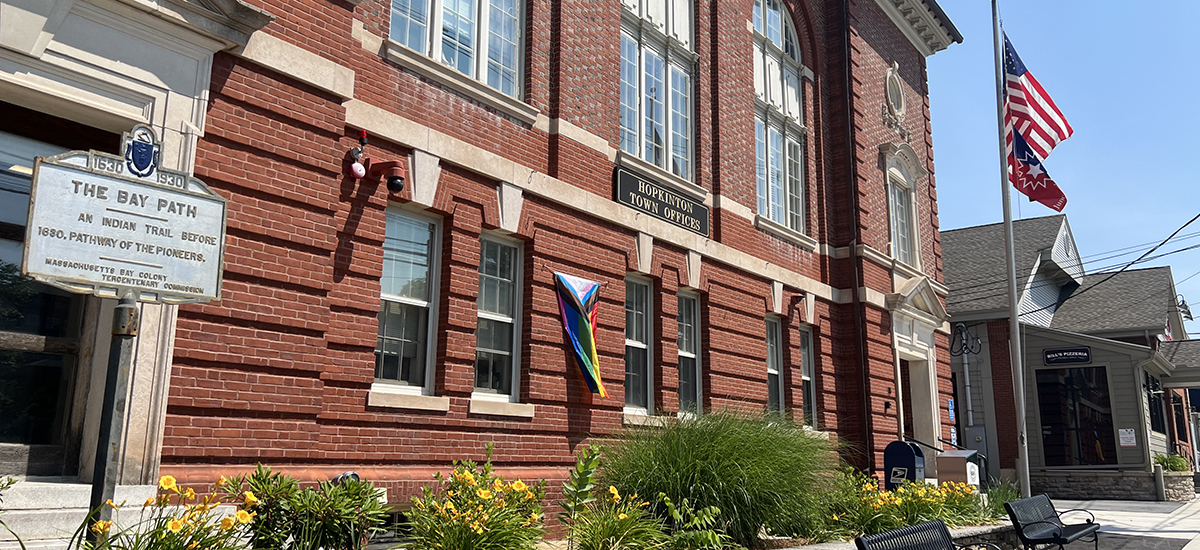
[[395, 184]]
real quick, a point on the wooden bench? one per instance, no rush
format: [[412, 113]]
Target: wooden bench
[[923, 536], [1037, 522]]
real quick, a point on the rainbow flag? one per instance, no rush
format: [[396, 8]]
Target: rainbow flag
[[578, 301]]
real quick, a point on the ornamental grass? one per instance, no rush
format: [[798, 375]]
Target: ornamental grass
[[764, 473]]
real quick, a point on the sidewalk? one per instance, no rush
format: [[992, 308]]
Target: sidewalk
[[1123, 520]]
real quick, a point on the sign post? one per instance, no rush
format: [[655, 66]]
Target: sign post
[[122, 227]]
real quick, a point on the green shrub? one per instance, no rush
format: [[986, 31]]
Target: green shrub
[[761, 472], [855, 505], [1173, 462], [609, 521], [333, 516], [474, 509]]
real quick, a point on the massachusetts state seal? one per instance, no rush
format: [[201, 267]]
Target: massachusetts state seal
[[141, 151]]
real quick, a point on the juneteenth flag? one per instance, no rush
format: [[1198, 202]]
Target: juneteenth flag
[[1033, 126], [578, 302]]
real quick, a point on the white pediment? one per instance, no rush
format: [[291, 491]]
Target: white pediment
[[917, 297]]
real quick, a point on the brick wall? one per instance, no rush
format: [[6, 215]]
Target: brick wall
[[279, 370]]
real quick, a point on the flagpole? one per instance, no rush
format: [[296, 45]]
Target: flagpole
[[1014, 338]]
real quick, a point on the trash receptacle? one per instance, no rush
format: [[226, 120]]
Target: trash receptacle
[[902, 461], [961, 466]]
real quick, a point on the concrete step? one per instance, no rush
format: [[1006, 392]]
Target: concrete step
[[46, 513]]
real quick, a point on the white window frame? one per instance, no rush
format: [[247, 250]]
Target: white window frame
[[807, 374], [647, 346], [397, 386], [671, 41], [515, 321], [778, 110], [698, 392], [898, 179], [432, 45], [775, 329]]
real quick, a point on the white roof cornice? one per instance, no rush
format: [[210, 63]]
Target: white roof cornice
[[923, 22]]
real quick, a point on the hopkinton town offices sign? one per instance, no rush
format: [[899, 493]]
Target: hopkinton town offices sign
[[642, 193], [103, 224]]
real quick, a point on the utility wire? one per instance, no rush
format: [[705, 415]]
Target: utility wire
[[1084, 260], [995, 291], [1058, 303]]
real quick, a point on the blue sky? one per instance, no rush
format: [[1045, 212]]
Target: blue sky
[[1126, 76]]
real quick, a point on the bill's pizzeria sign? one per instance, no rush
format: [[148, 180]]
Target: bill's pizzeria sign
[[641, 193]]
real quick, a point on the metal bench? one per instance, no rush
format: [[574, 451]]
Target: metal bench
[[1037, 522], [923, 536]]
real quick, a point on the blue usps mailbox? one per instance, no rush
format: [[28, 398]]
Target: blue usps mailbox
[[902, 461]]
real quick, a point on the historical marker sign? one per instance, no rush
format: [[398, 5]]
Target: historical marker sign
[[101, 224], [644, 194]]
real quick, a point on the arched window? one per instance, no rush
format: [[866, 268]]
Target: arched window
[[656, 83], [900, 210], [779, 132]]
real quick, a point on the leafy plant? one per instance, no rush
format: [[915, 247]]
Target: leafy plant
[[475, 509], [1173, 462], [175, 519], [333, 516], [694, 529], [999, 493], [615, 522], [761, 472], [270, 493], [608, 523]]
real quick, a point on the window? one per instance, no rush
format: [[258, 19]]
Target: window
[[689, 353], [1076, 415], [637, 345], [806, 376], [779, 132], [496, 334], [774, 361], [1154, 398], [656, 83], [401, 354], [1181, 423], [900, 213], [479, 38]]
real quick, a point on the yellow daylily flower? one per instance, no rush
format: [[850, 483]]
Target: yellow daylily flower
[[518, 486], [227, 523], [175, 525], [483, 493], [167, 483], [101, 527], [243, 516], [250, 499]]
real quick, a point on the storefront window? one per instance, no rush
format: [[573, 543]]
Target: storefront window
[[1154, 398], [1076, 414]]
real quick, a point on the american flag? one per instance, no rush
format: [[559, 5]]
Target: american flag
[[1032, 113], [1033, 125]]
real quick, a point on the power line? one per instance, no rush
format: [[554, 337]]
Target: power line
[[1119, 271]]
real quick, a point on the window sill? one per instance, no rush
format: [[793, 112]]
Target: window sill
[[394, 399], [501, 408], [643, 419], [656, 173], [786, 233], [474, 89]]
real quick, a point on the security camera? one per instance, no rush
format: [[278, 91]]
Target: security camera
[[391, 172]]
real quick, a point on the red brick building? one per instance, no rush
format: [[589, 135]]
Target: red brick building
[[778, 244]]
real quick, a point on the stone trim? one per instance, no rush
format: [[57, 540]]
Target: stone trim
[[502, 408], [378, 397], [300, 64], [583, 137], [636, 419], [788, 234], [734, 207], [928, 31]]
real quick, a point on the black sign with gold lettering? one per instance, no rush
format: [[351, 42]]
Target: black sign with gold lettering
[[642, 193], [1067, 356]]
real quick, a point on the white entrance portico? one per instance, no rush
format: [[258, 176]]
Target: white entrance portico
[[916, 315]]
